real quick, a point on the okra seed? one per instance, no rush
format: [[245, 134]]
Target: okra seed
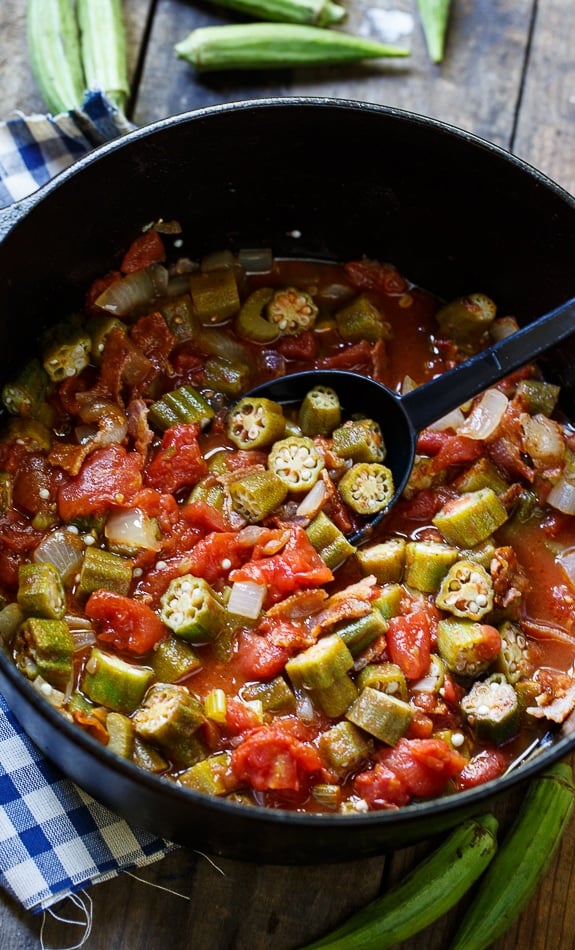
[[226, 564], [483, 710], [457, 739]]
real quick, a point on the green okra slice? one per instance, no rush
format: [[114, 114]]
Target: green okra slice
[[255, 423], [328, 795], [226, 377], [538, 396], [45, 647], [41, 591], [178, 314], [120, 729], [276, 45], [191, 609], [297, 461], [464, 646], [426, 563], [513, 660], [471, 518], [67, 350], [169, 718], [320, 411], [491, 708], [215, 295], [24, 395], [110, 681], [211, 775], [99, 329], [360, 440], [145, 756], [321, 664], [184, 405], [387, 677], [360, 320], [251, 322], [33, 433], [344, 748], [361, 632], [276, 696], [388, 604], [173, 659], [466, 591], [381, 715], [210, 491], [386, 560], [255, 495], [481, 474], [466, 319], [102, 569], [334, 700], [330, 543], [367, 487], [291, 310]]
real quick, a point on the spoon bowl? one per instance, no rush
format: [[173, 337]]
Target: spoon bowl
[[401, 418]]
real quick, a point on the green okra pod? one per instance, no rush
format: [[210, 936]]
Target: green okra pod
[[54, 53], [103, 44], [313, 12], [434, 16], [276, 45], [434, 886], [522, 861]]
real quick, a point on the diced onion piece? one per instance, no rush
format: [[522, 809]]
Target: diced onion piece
[[313, 501], [562, 496], [566, 561], [256, 260], [503, 327], [485, 416], [54, 696], [130, 529], [408, 385], [63, 548], [543, 439], [304, 706], [81, 630], [134, 290], [246, 599], [453, 420]]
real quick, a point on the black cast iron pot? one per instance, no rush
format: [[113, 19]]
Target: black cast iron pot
[[306, 177]]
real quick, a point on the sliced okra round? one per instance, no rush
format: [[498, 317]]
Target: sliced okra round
[[251, 322], [491, 708], [367, 487], [255, 423], [292, 311], [255, 495], [466, 591], [320, 411], [360, 440], [191, 609], [297, 462]]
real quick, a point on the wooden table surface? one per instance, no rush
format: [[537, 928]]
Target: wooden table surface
[[508, 76]]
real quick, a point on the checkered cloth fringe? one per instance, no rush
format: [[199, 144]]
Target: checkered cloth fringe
[[54, 838]]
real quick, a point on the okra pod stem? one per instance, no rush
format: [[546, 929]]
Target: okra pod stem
[[276, 45], [313, 12], [522, 861], [425, 894]]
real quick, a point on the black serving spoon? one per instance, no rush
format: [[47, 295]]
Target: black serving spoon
[[402, 417]]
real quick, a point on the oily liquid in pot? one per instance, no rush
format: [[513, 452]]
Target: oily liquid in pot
[[413, 352]]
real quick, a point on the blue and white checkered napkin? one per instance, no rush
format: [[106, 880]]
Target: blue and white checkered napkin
[[54, 838]]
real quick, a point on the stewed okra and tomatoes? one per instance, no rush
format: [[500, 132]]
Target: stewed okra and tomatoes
[[177, 565]]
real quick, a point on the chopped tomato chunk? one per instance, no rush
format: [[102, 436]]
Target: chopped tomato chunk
[[108, 477], [130, 625], [145, 250], [178, 461], [409, 643], [275, 758]]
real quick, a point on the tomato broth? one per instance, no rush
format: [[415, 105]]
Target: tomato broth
[[175, 564]]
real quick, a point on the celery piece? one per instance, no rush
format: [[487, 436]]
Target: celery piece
[[471, 518], [256, 494], [321, 664], [184, 405], [297, 461], [330, 543], [381, 715], [192, 610], [169, 718], [360, 440], [104, 570], [385, 560], [255, 423], [215, 295], [41, 591], [110, 681], [426, 563], [466, 591], [360, 320], [44, 647], [216, 705], [387, 677], [319, 412], [491, 708], [211, 776], [173, 659], [344, 748], [276, 45], [335, 699]]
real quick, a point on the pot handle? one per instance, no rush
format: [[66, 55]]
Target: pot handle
[[12, 214]]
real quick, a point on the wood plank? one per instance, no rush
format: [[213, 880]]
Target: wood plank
[[469, 90], [546, 127]]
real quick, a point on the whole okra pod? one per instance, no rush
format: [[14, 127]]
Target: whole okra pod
[[276, 45], [314, 12]]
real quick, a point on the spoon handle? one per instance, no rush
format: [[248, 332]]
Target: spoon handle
[[430, 402]]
